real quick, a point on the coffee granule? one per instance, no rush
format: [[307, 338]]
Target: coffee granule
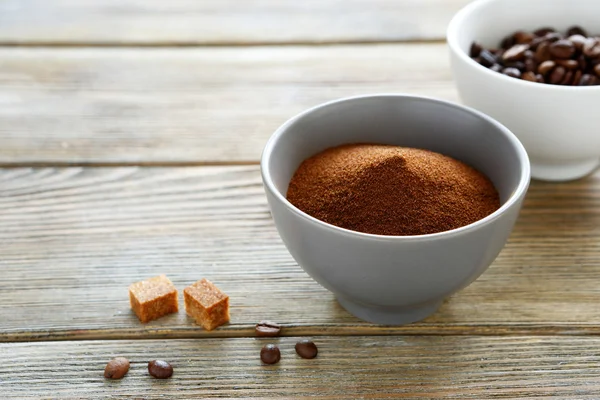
[[391, 190]]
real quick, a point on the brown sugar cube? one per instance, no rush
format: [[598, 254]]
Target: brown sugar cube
[[153, 298], [206, 304]]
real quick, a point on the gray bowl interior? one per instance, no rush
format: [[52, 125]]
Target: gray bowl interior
[[404, 121]]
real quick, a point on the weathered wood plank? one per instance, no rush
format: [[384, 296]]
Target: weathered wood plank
[[347, 367], [73, 239], [202, 22], [187, 105]]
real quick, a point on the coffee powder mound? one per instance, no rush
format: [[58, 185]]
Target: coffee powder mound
[[391, 190]]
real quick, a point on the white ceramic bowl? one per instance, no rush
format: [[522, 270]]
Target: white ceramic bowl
[[558, 125], [395, 279]]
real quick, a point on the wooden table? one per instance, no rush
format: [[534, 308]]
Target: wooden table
[[130, 135]]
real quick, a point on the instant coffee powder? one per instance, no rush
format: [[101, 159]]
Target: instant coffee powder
[[391, 190]]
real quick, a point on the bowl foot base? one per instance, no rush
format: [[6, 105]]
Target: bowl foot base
[[563, 171], [389, 315]]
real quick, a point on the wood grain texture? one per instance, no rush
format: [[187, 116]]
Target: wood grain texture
[[188, 105], [346, 367], [73, 239], [202, 22]]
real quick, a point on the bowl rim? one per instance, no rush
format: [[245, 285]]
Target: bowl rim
[[517, 194], [452, 34]]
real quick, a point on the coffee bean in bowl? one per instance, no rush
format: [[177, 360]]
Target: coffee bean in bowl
[[552, 107], [545, 55]]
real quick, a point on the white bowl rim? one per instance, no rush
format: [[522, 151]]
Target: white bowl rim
[[517, 194], [452, 39]]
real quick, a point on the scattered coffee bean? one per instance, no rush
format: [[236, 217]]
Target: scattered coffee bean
[[160, 369], [267, 328], [270, 354], [306, 349], [545, 56], [116, 368]]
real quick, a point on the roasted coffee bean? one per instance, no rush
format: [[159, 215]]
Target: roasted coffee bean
[[160, 369], [487, 58], [553, 37], [578, 41], [557, 75], [116, 368], [544, 31], [587, 80], [520, 65], [522, 37], [545, 56], [497, 68], [531, 65], [536, 42], [562, 49], [507, 42], [475, 50], [583, 64], [270, 354], [569, 64], [529, 76], [576, 30], [542, 53], [306, 349], [576, 78], [515, 53], [591, 48], [267, 328], [512, 72], [567, 79], [546, 67]]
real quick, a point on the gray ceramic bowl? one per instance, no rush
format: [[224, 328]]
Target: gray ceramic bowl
[[395, 279]]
